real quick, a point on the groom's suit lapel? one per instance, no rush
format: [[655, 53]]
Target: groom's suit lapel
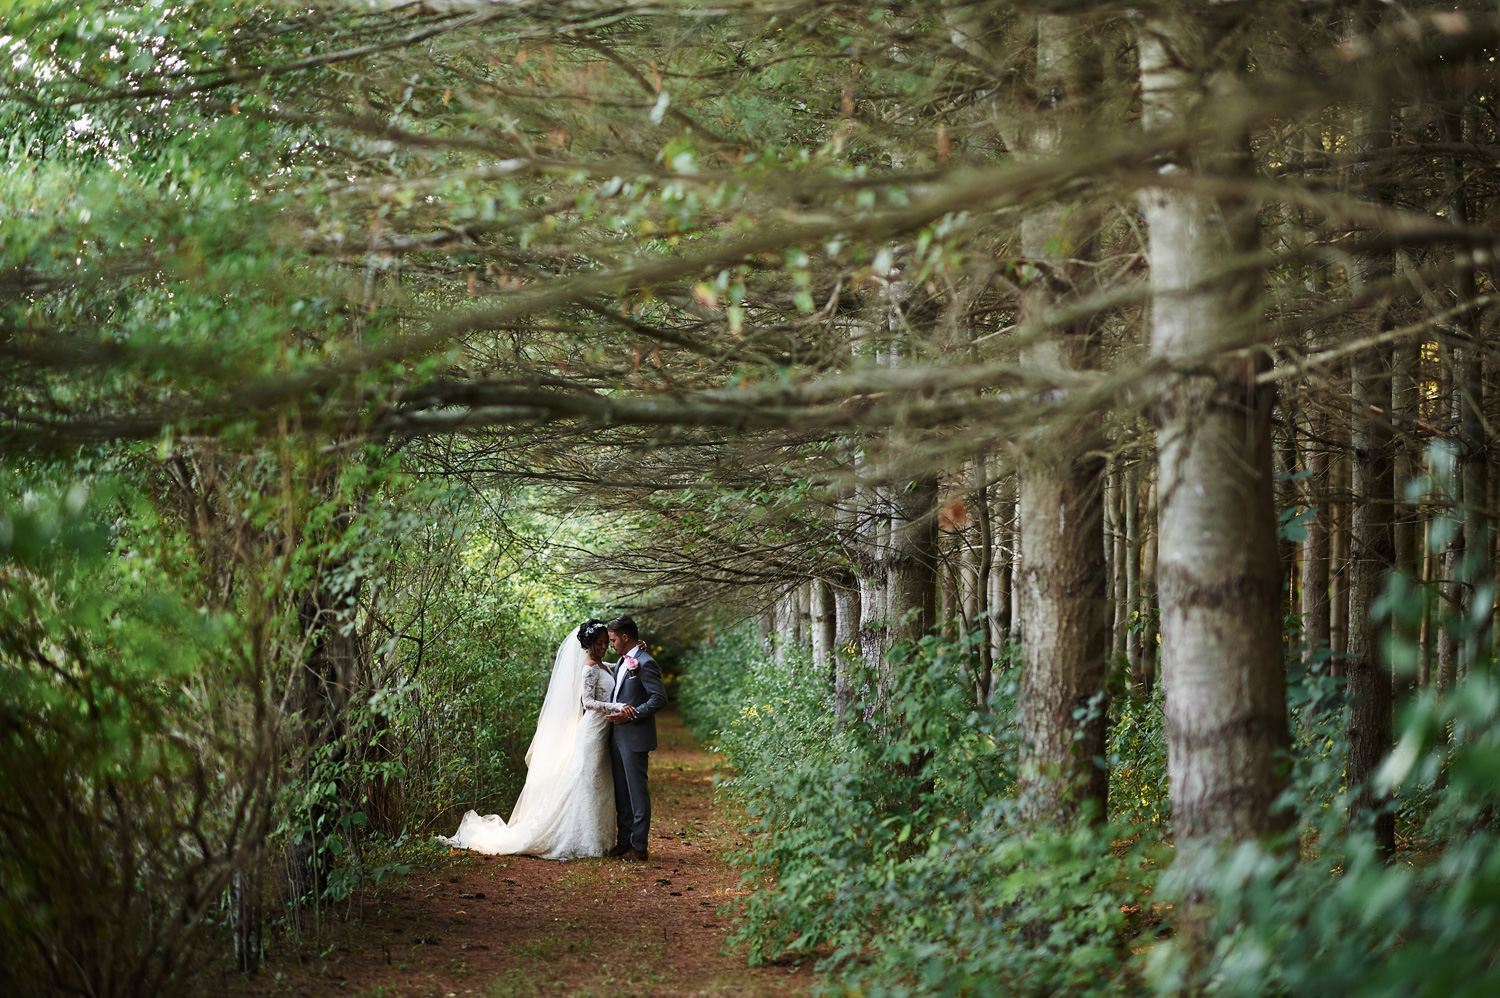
[[622, 675]]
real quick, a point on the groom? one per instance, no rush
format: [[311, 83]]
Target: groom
[[638, 685]]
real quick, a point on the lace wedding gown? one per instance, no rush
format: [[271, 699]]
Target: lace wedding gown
[[567, 807]]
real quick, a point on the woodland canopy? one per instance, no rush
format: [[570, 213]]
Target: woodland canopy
[[1068, 426]]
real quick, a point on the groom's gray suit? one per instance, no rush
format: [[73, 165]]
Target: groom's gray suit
[[631, 742]]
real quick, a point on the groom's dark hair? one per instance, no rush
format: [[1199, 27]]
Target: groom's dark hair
[[624, 625]]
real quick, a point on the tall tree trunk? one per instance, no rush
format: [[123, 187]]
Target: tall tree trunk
[[786, 629], [985, 550], [1316, 612], [1066, 628], [845, 641], [1369, 718], [1477, 567], [1218, 573], [1007, 544], [1405, 530], [1338, 563], [1133, 570], [912, 563], [1450, 555], [873, 530], [1406, 366], [1425, 640], [821, 628], [1107, 546], [1017, 570], [1150, 603], [1119, 568], [1368, 715], [1285, 463]]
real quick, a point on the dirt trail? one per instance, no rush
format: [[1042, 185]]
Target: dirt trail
[[513, 926]]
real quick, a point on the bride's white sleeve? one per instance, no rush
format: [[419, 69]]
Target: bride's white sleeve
[[593, 690]]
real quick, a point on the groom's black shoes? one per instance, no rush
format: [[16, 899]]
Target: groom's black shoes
[[634, 855], [619, 850]]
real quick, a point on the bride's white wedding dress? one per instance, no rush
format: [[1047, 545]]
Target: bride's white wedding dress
[[567, 807]]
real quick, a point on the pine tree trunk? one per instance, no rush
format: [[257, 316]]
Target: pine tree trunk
[[1150, 604], [1119, 568], [1007, 547], [1473, 452], [1425, 642], [1285, 463], [1338, 564], [1405, 530], [1316, 613], [1064, 579], [1450, 556], [873, 531], [1368, 716], [1218, 572], [845, 640], [983, 570], [785, 636], [821, 627], [1133, 570], [912, 563]]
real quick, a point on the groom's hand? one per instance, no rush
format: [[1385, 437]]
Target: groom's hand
[[623, 716]]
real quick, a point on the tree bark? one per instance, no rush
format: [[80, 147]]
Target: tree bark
[[845, 640], [1450, 555], [1008, 546], [1150, 604], [1368, 719], [1477, 566], [1121, 567], [1133, 570], [1316, 612], [1064, 581], [1424, 638], [1368, 715], [1338, 563], [912, 564], [983, 612], [1218, 573], [821, 627]]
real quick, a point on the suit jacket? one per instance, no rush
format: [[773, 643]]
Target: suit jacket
[[643, 690]]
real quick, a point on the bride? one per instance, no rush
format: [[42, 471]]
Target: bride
[[566, 808]]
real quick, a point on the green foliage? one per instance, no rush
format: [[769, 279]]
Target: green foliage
[[1336, 916], [1139, 794], [475, 665], [887, 846], [1343, 920], [134, 763], [175, 716]]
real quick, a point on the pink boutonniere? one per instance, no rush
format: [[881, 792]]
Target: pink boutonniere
[[631, 664]]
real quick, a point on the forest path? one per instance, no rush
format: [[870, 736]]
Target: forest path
[[514, 926]]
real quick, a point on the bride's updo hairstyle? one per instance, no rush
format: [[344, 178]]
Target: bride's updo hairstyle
[[589, 631]]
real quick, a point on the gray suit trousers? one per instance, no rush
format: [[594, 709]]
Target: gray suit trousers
[[632, 796], [630, 746]]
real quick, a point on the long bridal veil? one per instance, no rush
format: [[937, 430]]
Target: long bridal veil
[[550, 765]]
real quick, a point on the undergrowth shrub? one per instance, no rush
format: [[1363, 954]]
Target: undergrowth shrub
[[886, 847], [134, 754]]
